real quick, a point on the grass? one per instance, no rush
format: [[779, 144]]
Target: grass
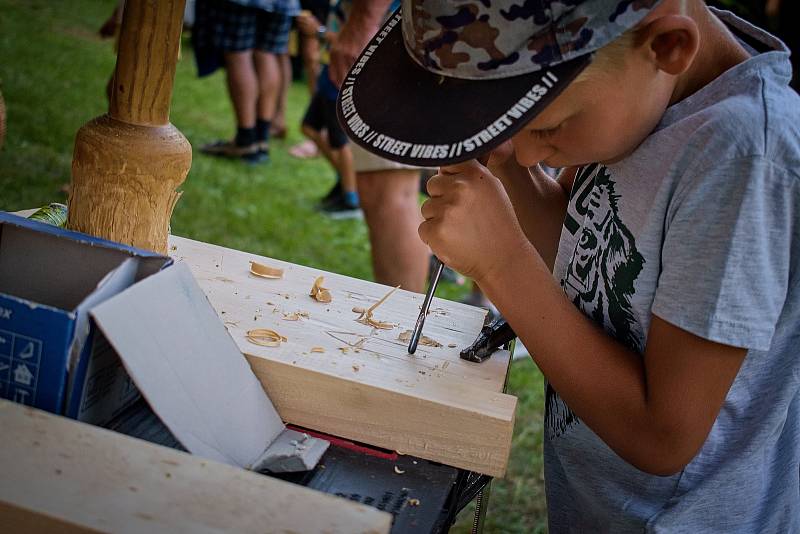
[[53, 70]]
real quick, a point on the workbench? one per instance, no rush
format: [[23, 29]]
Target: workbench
[[417, 472]]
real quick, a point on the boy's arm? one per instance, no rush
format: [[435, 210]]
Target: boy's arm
[[655, 411], [539, 201]]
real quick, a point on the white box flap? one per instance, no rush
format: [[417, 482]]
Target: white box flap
[[185, 364]]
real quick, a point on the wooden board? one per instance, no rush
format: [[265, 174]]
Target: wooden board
[[59, 475], [364, 386]]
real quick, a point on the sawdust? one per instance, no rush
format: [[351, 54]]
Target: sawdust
[[319, 293], [317, 350], [265, 337], [413, 502], [398, 470], [265, 271], [405, 337], [452, 345], [295, 316], [365, 315]]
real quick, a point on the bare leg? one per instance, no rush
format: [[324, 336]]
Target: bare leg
[[322, 144], [345, 168], [242, 86], [269, 81], [279, 120], [391, 209], [309, 49]]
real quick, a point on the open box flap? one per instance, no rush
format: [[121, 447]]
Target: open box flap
[[189, 369]]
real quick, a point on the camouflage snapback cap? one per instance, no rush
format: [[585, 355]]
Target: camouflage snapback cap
[[447, 81]]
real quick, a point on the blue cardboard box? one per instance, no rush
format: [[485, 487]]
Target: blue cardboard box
[[51, 355]]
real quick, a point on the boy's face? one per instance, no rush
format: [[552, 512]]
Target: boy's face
[[601, 118]]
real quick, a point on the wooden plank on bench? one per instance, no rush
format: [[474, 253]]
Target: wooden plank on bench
[[61, 475], [364, 386]]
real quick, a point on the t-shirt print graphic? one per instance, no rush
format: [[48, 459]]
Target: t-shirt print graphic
[[600, 276]]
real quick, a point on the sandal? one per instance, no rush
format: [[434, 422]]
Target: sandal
[[304, 150], [278, 132]]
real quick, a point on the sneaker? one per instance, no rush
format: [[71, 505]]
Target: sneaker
[[339, 208], [332, 196], [253, 153]]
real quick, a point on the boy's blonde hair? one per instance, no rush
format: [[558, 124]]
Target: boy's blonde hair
[[611, 57]]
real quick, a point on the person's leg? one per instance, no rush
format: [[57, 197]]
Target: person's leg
[[242, 86], [279, 119], [309, 50], [389, 199], [272, 39], [269, 82], [347, 173], [321, 141]]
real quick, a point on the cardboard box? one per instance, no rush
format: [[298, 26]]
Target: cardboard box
[[87, 324], [51, 356]]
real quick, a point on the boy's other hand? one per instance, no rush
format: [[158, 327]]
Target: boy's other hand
[[469, 221]]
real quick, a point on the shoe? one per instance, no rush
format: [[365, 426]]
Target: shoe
[[339, 208], [228, 149], [278, 132], [332, 196]]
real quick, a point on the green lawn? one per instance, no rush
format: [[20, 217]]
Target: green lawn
[[53, 70]]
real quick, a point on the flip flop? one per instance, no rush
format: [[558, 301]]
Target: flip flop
[[304, 150]]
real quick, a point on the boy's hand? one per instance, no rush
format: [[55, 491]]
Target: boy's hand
[[469, 221]]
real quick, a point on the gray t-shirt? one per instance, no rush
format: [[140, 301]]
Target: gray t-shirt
[[701, 227]]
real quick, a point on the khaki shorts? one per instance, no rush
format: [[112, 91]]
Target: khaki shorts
[[365, 161]]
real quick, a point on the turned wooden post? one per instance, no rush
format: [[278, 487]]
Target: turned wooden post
[[128, 164]]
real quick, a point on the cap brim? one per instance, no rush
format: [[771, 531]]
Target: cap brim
[[396, 109]]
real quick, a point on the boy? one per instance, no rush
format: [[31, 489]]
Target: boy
[[657, 282], [320, 125]]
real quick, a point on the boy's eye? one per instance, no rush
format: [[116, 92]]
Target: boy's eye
[[548, 132]]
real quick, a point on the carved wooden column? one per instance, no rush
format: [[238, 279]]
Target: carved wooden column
[[128, 164]]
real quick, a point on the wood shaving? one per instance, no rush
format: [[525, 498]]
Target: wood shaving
[[295, 316], [265, 337], [413, 502], [398, 470], [265, 271], [365, 315], [319, 293], [405, 337], [452, 345], [318, 350], [356, 368]]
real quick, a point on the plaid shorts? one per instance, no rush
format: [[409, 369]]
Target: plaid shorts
[[225, 26]]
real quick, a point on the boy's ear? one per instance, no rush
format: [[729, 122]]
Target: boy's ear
[[672, 42]]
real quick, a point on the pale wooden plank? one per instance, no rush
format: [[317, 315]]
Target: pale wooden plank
[[432, 404], [61, 475]]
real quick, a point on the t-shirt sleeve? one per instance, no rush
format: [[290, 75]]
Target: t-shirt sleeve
[[727, 251]]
